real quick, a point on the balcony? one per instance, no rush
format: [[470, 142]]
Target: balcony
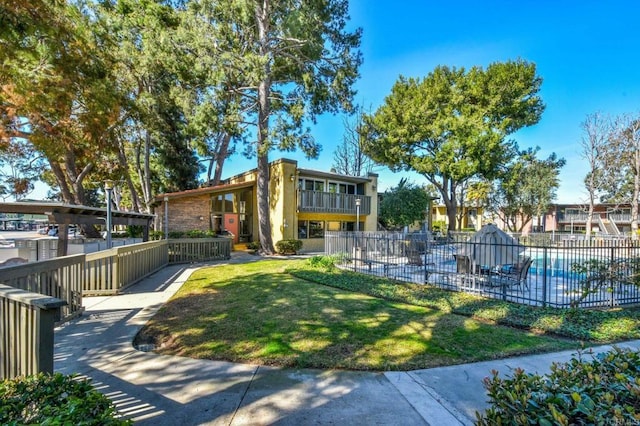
[[620, 217], [329, 202], [575, 217]]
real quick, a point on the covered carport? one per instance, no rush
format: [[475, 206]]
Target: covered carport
[[64, 215]]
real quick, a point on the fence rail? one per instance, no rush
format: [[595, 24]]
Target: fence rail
[[575, 273], [61, 278], [108, 271], [187, 250], [26, 332]]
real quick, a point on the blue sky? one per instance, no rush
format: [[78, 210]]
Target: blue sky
[[585, 51]]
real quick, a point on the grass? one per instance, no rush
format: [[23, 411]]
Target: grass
[[274, 312], [589, 325]]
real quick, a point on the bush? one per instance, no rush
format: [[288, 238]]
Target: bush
[[603, 391], [134, 231], [254, 245], [327, 263], [196, 233], [55, 399], [177, 234], [156, 235], [288, 246]]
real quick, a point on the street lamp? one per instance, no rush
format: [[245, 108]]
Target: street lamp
[[357, 214], [166, 217], [108, 187]]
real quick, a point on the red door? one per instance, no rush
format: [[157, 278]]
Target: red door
[[231, 225]]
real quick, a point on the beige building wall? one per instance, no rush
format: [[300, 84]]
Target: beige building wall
[[371, 189]]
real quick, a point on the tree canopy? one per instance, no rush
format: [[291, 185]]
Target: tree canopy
[[403, 205], [452, 125], [526, 188], [287, 61]]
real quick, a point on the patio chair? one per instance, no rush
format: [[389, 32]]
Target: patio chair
[[513, 275]]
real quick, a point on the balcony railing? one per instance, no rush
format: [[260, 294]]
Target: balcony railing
[[620, 217], [575, 217], [328, 202]]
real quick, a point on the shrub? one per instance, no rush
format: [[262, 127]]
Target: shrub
[[327, 263], [176, 234], [254, 245], [156, 235], [603, 391], [288, 246], [196, 233], [134, 231], [55, 399], [439, 226]]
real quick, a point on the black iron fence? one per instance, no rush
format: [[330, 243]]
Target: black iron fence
[[529, 269]]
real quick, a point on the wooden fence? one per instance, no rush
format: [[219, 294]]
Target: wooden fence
[[108, 271], [188, 250], [61, 278], [33, 293], [26, 331]]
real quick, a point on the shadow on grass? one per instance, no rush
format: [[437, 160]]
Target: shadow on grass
[[591, 325], [261, 315]]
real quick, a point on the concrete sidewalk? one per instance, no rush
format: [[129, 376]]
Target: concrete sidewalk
[[167, 390]]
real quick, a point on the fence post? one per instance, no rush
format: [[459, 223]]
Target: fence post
[[544, 276], [611, 282], [27, 339], [48, 315]]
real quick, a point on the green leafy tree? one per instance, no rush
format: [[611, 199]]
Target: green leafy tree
[[20, 167], [56, 90], [403, 205], [452, 125], [291, 61], [154, 136], [526, 189]]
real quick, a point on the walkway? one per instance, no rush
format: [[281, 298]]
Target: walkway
[[168, 390]]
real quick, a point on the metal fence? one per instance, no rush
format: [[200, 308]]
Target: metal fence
[[563, 273]]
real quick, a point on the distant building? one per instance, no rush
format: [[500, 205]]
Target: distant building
[[611, 219]]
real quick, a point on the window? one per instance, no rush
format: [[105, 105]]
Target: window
[[303, 230], [311, 185], [316, 229]]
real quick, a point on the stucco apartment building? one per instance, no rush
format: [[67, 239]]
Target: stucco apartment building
[[303, 204]]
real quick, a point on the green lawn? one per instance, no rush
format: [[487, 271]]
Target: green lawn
[[262, 313]]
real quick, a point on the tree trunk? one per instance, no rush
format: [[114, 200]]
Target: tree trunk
[[264, 109], [590, 215], [221, 155], [124, 163]]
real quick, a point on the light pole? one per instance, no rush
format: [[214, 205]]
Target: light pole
[[357, 214], [108, 187], [166, 217]]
